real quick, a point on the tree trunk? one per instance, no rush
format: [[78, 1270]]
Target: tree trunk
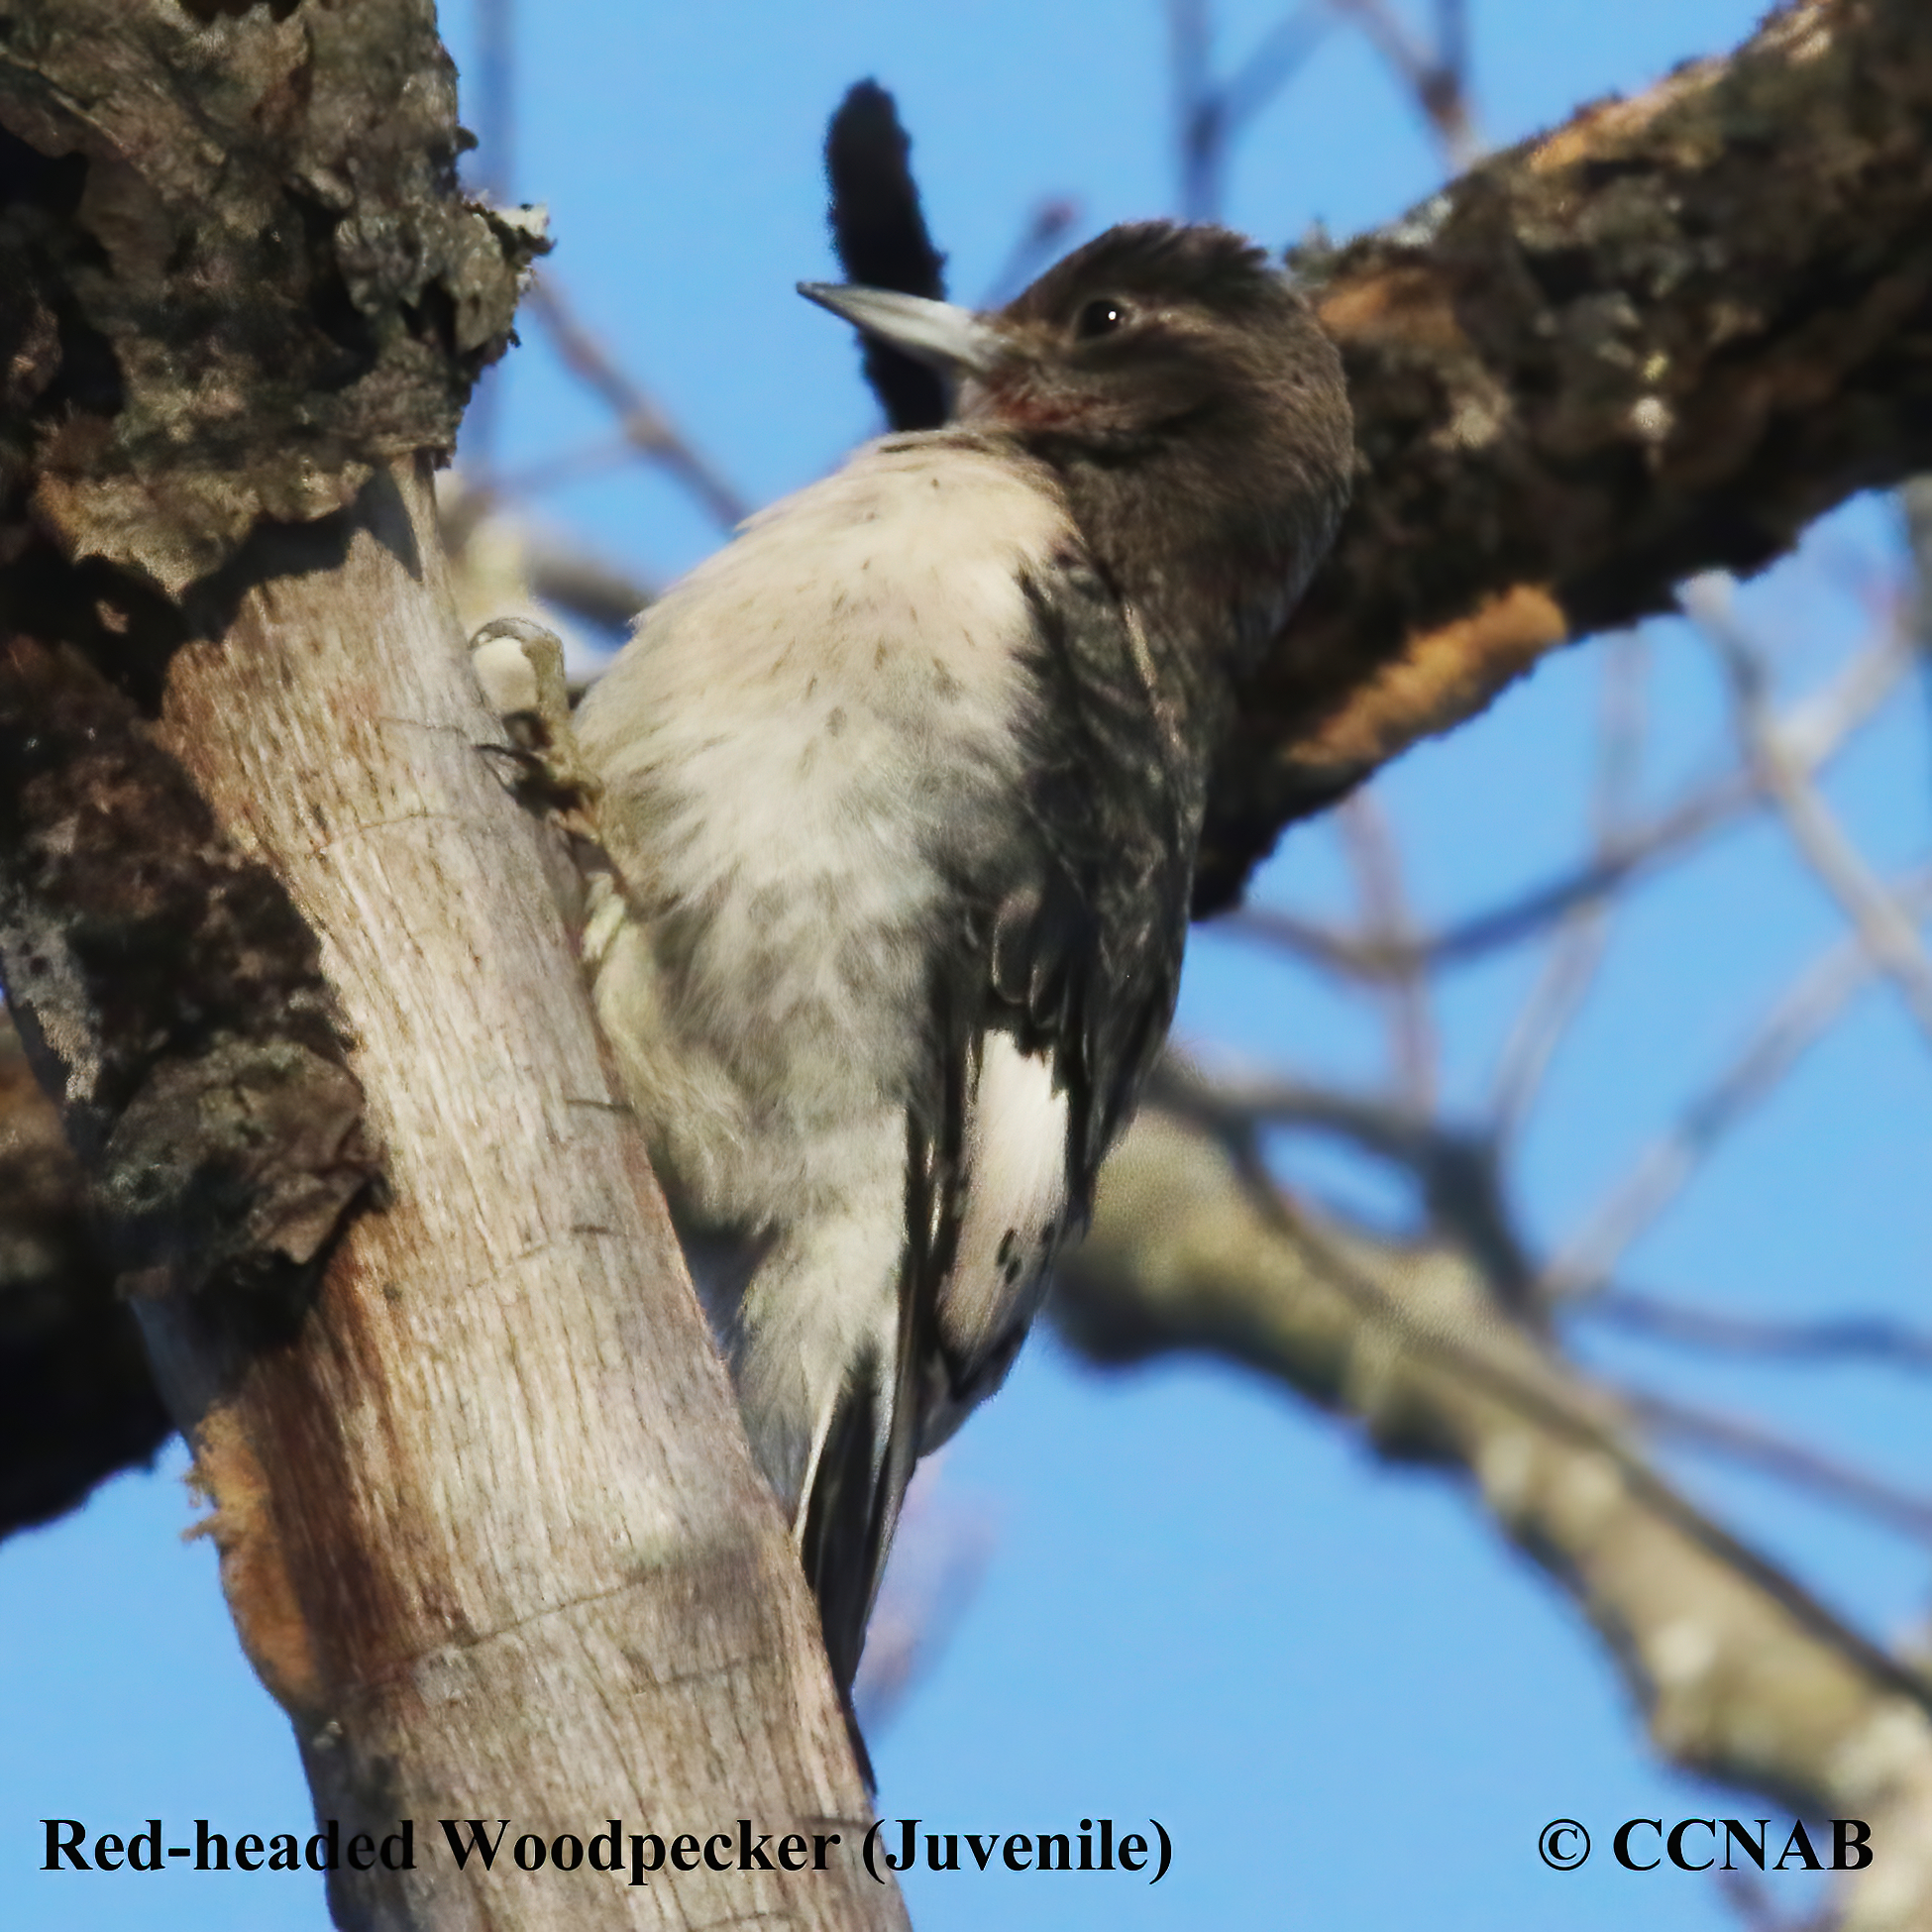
[[488, 1526]]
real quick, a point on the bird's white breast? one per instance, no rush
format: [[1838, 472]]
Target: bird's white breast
[[799, 734]]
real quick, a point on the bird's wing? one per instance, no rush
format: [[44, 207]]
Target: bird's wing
[[1044, 1020]]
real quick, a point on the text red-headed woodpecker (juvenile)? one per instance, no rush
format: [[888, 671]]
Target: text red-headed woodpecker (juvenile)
[[905, 786]]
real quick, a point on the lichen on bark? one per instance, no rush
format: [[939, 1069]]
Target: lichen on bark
[[1659, 340], [240, 273]]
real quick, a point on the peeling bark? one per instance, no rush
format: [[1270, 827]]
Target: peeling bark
[[1659, 340], [168, 992], [238, 276]]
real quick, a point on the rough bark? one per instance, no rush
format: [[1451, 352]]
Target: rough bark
[[76, 1400], [239, 274], [1659, 340], [1743, 1675]]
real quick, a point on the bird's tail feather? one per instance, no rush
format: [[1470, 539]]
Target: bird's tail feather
[[852, 1498]]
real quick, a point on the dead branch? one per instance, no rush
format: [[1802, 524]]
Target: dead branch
[[1884, 929], [1210, 113], [1437, 78], [1867, 1338], [1742, 1676], [1368, 840], [1750, 1444], [1577, 949], [1813, 731]]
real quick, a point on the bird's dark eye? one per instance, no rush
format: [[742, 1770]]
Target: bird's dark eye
[[1100, 317]]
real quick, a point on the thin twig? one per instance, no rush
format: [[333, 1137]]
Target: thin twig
[[1432, 78], [1750, 1442], [602, 593], [1780, 770], [1376, 863], [1867, 1338], [567, 467], [1660, 1171], [540, 564], [1669, 836], [1456, 1173], [1207, 114], [1221, 1102], [1196, 108], [1452, 40], [1577, 951], [644, 425], [1275, 61], [1745, 1895], [1038, 242], [1816, 729]]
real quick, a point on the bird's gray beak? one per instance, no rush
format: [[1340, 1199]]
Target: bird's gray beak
[[944, 336]]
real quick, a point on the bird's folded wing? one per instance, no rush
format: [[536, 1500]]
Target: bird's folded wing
[[1044, 1020]]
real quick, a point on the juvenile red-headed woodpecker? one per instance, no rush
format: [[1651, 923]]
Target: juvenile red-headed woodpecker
[[905, 786]]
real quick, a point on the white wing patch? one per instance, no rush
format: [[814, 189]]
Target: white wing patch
[[1016, 1197]]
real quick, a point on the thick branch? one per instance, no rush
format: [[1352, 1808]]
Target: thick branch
[[1744, 1677], [488, 1524], [1660, 339]]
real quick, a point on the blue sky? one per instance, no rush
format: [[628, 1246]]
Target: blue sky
[[1350, 1703]]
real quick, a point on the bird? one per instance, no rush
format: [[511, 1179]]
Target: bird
[[903, 788]]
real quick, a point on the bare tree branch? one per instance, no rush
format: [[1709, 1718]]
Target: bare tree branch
[[1743, 1675], [1578, 947], [1208, 114], [1595, 365], [552, 471], [1437, 79], [1047, 227], [1455, 1175], [1672, 835], [503, 562], [1871, 1338], [1660, 1174], [1815, 730], [1753, 1445], [1888, 934], [1275, 59], [276, 937], [1386, 926]]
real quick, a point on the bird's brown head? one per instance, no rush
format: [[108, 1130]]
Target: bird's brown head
[[1184, 393]]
